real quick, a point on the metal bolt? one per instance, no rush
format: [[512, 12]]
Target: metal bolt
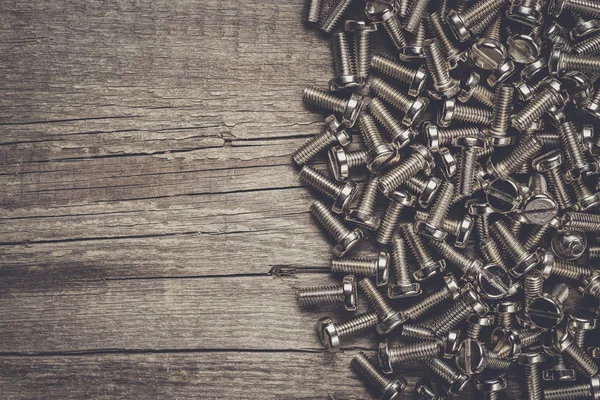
[[334, 134], [432, 227], [413, 109], [437, 137], [559, 371], [332, 333], [526, 12], [428, 267], [532, 286], [454, 55], [524, 152], [414, 50], [347, 106], [450, 291], [362, 45], [416, 78], [506, 312], [425, 187], [578, 221], [341, 162], [566, 270], [542, 102], [549, 164], [346, 294], [594, 251], [397, 355], [585, 7], [477, 324], [437, 65], [591, 286], [346, 75], [473, 358], [381, 154], [539, 208], [590, 45], [456, 380], [466, 25], [559, 62], [468, 304], [387, 388], [345, 238], [314, 11], [428, 390], [460, 228], [330, 20], [481, 211], [448, 166], [533, 374], [364, 215], [592, 107], [453, 111], [589, 390], [389, 319], [564, 343], [470, 148], [420, 159], [525, 260], [341, 193], [578, 167], [377, 268], [472, 88], [498, 132], [401, 135], [391, 218], [488, 52], [388, 17], [579, 323], [569, 245], [403, 286], [491, 387], [584, 27]]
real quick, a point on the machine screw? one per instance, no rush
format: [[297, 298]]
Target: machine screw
[[477, 324], [539, 208], [341, 162], [388, 17], [542, 102], [397, 355], [492, 387], [346, 76], [453, 111], [389, 319], [546, 310], [524, 152], [472, 88], [579, 324], [461, 229], [525, 260], [415, 78], [498, 131], [401, 135], [428, 266], [391, 218], [432, 227], [559, 371], [450, 291], [455, 379], [569, 245], [470, 23], [403, 286], [591, 286], [585, 7], [468, 304], [564, 343], [560, 61], [488, 52], [381, 154], [589, 390], [437, 65], [365, 368], [470, 148], [592, 107], [413, 109], [573, 150], [334, 134], [584, 27], [420, 159], [566, 270], [425, 187], [377, 268], [341, 193], [549, 164], [533, 374], [347, 106], [330, 20], [346, 294], [454, 55], [481, 211], [578, 221], [314, 11], [414, 50], [532, 286], [364, 215], [331, 333], [414, 19], [428, 390], [473, 358], [438, 138], [362, 45], [506, 312], [526, 12], [345, 238]]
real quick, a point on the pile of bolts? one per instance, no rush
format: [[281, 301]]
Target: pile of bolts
[[478, 132]]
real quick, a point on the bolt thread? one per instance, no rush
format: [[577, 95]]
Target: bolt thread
[[416, 185], [573, 150], [537, 184], [486, 152], [503, 109], [473, 115], [533, 382], [354, 266], [369, 131], [588, 46], [421, 34], [484, 95], [322, 99], [376, 299], [452, 317], [496, 363], [401, 173], [583, 63], [527, 148], [384, 116], [538, 236], [415, 351], [593, 289], [482, 224], [491, 396], [583, 222], [328, 221], [362, 52], [473, 16], [341, 54], [334, 16], [534, 282], [533, 111], [416, 332], [530, 337], [594, 252], [416, 245], [442, 369], [492, 253], [385, 65], [582, 191], [595, 100], [461, 6], [516, 227], [448, 225], [357, 158], [421, 308], [580, 360], [403, 7], [485, 22], [364, 367], [436, 26], [579, 337], [314, 11], [515, 248], [505, 320], [415, 18], [393, 27], [559, 188], [473, 330], [564, 269], [560, 292], [439, 210], [493, 30], [389, 222], [436, 63], [549, 139], [356, 325], [317, 180], [400, 261], [466, 171], [313, 146], [368, 196], [572, 392], [462, 261], [450, 136], [393, 96], [320, 295]]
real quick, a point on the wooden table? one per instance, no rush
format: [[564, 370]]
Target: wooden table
[[153, 227]]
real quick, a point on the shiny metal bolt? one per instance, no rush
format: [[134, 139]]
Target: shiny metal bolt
[[550, 165], [329, 21], [377, 268], [334, 134], [348, 107], [542, 102], [416, 78], [403, 285], [477, 324], [412, 109], [559, 371], [314, 11], [488, 52], [564, 343], [506, 312], [531, 361], [346, 239], [420, 159], [451, 111], [461, 229], [346, 76], [584, 7], [546, 310], [539, 208], [391, 218], [498, 132], [579, 323], [428, 266], [381, 153], [450, 291], [453, 53], [524, 152], [390, 357], [332, 333], [468, 304], [389, 319], [584, 222], [533, 285], [560, 62], [341, 193], [471, 87], [401, 135], [363, 215], [491, 387], [524, 260], [346, 293], [433, 226], [470, 23], [437, 137], [473, 358], [366, 369], [341, 162], [457, 381], [425, 188], [589, 390], [444, 86], [388, 17], [569, 245], [470, 148], [362, 45]]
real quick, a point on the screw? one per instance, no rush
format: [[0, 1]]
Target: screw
[[397, 355], [404, 286], [450, 290], [569, 245], [337, 11], [539, 208], [341, 161], [362, 32], [454, 55], [573, 149], [425, 187], [388, 17], [420, 159], [345, 238], [391, 217], [586, 7], [414, 19], [566, 270], [468, 24], [589, 390], [488, 52], [591, 286], [560, 61], [533, 69], [532, 286], [492, 387], [498, 131], [347, 106], [428, 266], [481, 211], [468, 304], [506, 312], [346, 294], [365, 368], [579, 324], [533, 374], [470, 148], [314, 11], [455, 379], [546, 310], [432, 227], [555, 33], [334, 134], [524, 47], [588, 46], [453, 111], [525, 260], [491, 251], [504, 195], [331, 333], [346, 76], [526, 12], [473, 358], [381, 154], [542, 102], [415, 78], [428, 390], [471, 88], [592, 107], [524, 152], [477, 324], [559, 371], [584, 27], [437, 65], [364, 215], [341, 193], [509, 343], [594, 251], [577, 221], [401, 135], [377, 268], [549, 164], [389, 319], [413, 109], [564, 343], [461, 229]]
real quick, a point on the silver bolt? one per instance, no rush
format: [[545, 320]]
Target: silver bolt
[[585, 7], [524, 152], [541, 103], [387, 388], [564, 343], [341, 162], [346, 75], [491, 387], [336, 13], [560, 61], [504, 195], [457, 381], [503, 107], [362, 45], [377, 267], [461, 229], [579, 323], [425, 187], [389, 357], [345, 238], [416, 78], [419, 160], [470, 23], [401, 135], [450, 291], [347, 106], [451, 111], [437, 65], [346, 293], [526, 12], [472, 88], [584, 222], [481, 212], [454, 55], [341, 193], [381, 153], [477, 323], [584, 27], [432, 227], [546, 310], [334, 134], [403, 286], [524, 47], [588, 46], [468, 304], [470, 148], [532, 286], [533, 374], [589, 390], [412, 109], [388, 17], [549, 164], [364, 215], [428, 266], [539, 208], [399, 200], [332, 333], [488, 52], [506, 312], [414, 19], [473, 358], [389, 319], [524, 260], [314, 11], [438, 138]]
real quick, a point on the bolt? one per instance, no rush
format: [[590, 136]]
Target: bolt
[[420, 159], [414, 19], [414, 50], [481, 212], [578, 87], [534, 68], [314, 11], [473, 358], [532, 286], [524, 47], [345, 238], [589, 390], [362, 32], [330, 20], [491, 387], [346, 294], [437, 65], [542, 102], [560, 61], [381, 154], [463, 24], [546, 310], [524, 152], [389, 319], [425, 187], [448, 166], [471, 88], [364, 215], [583, 222], [331, 333], [573, 150], [559, 371], [451, 111], [377, 268], [413, 109], [450, 290], [586, 7], [366, 369], [555, 33], [539, 208], [432, 227], [468, 304], [437, 137], [502, 73], [506, 312], [460, 228], [428, 267], [470, 148], [591, 286], [509, 343], [391, 217], [454, 55], [549, 164], [401, 135], [525, 260], [498, 131], [346, 77], [504, 195], [580, 322], [416, 78], [388, 17], [566, 270], [533, 374], [334, 134], [594, 251], [403, 286], [428, 390], [584, 27], [592, 107], [347, 106], [526, 12], [341, 161], [341, 193], [397, 355], [477, 324], [564, 343], [569, 245], [456, 380], [488, 52]]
